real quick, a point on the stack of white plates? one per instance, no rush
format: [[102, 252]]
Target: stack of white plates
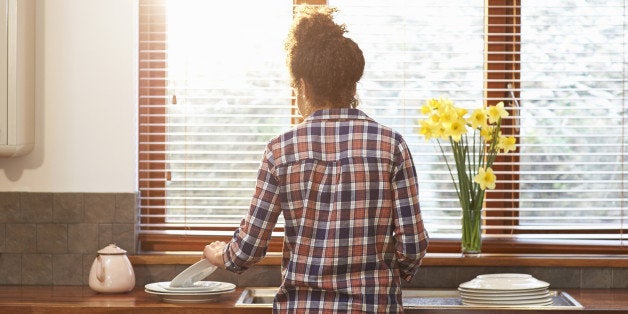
[[512, 290], [200, 291], [186, 287]]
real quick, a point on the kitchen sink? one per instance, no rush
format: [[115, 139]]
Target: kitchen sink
[[256, 297], [262, 297]]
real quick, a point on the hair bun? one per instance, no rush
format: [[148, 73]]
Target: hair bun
[[320, 54], [315, 25]]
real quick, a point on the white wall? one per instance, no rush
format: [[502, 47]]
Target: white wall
[[85, 100]]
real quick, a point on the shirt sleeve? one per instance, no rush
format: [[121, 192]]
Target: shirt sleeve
[[250, 241], [410, 234]]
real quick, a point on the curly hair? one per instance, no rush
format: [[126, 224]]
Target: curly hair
[[320, 54]]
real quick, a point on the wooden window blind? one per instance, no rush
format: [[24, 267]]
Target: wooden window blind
[[562, 68], [217, 95], [214, 89]]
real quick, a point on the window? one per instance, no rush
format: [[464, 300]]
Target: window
[[225, 95], [572, 118], [214, 89]]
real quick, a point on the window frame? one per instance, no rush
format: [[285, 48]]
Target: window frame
[[502, 21]]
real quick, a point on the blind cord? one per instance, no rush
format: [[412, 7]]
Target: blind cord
[[623, 131]]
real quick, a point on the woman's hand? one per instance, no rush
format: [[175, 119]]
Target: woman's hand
[[213, 253]]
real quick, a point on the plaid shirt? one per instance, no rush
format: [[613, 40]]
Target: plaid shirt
[[348, 192]]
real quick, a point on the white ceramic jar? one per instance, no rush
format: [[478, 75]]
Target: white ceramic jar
[[111, 271]]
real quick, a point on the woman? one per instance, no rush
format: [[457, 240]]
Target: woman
[[345, 185]]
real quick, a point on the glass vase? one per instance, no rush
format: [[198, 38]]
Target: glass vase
[[471, 231]]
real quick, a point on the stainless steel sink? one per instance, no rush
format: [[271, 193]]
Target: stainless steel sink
[[412, 299], [450, 299], [256, 297]]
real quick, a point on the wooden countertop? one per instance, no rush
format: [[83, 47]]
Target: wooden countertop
[[81, 299]]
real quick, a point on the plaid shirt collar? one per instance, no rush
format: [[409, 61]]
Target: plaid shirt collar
[[337, 114]]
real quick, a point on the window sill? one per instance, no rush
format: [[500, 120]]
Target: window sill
[[432, 259], [187, 241]]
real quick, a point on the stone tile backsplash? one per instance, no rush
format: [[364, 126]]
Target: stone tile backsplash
[[53, 238]]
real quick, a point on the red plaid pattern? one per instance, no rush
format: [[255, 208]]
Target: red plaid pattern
[[347, 188]]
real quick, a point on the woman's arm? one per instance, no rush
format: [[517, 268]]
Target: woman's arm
[[411, 236], [250, 241]]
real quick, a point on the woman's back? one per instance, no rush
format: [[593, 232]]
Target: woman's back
[[339, 175]]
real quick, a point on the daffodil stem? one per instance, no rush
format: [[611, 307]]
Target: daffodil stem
[[449, 168], [470, 195]]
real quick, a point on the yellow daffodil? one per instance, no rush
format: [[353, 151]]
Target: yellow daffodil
[[487, 133], [433, 103], [448, 116], [435, 118], [485, 178], [445, 102], [478, 118], [456, 129], [426, 109], [427, 129], [461, 112], [496, 112], [429, 106], [440, 131], [507, 143]]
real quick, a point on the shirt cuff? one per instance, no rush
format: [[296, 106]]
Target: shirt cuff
[[229, 264]]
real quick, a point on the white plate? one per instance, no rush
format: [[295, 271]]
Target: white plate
[[505, 294], [508, 293], [504, 282], [188, 297], [509, 304], [198, 271], [507, 297], [201, 287], [502, 292], [505, 275]]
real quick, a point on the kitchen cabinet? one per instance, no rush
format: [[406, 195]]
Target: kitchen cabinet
[[17, 77]]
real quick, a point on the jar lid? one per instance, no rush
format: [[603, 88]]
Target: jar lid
[[111, 249]]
